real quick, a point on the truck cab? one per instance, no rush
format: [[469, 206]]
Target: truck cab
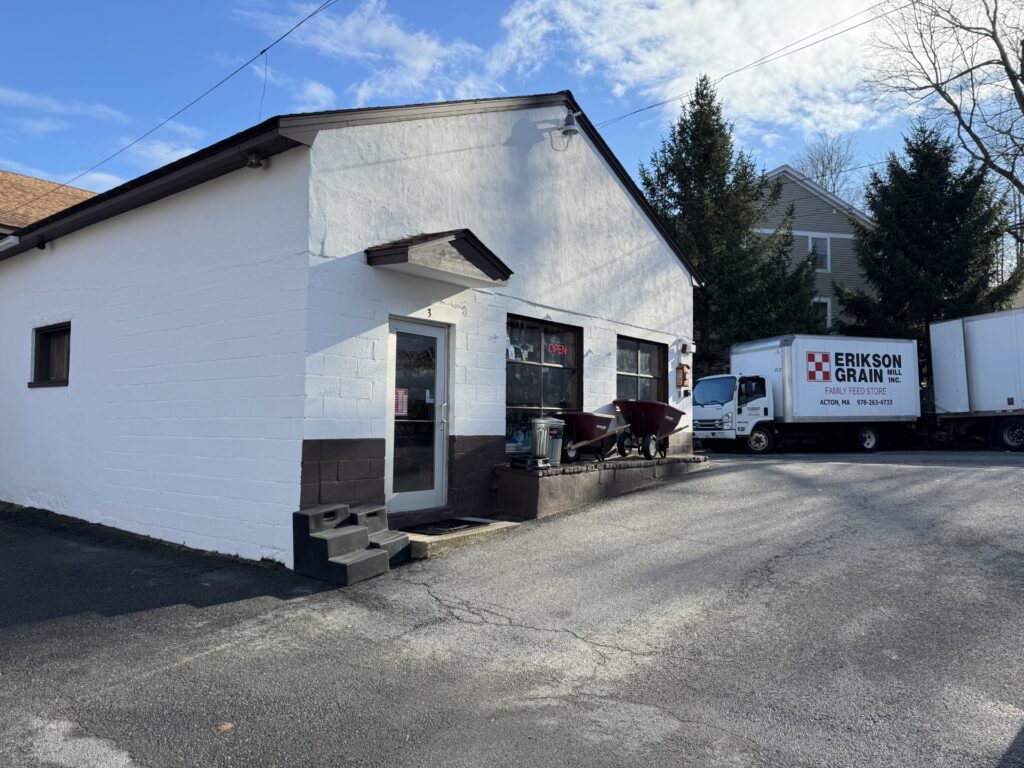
[[728, 409]]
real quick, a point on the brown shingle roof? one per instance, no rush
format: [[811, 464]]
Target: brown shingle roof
[[25, 199]]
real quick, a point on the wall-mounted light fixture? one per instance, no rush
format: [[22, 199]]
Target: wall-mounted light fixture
[[682, 376], [569, 127]]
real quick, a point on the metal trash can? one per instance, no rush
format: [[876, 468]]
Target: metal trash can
[[547, 439]]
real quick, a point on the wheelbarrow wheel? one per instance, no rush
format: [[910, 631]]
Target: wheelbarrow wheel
[[624, 444], [649, 446], [570, 454]]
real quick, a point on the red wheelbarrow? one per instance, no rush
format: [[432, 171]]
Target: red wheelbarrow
[[650, 424], [584, 429]]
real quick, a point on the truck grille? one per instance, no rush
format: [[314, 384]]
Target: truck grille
[[708, 424]]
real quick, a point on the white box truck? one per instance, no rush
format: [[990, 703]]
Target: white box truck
[[978, 375], [804, 386]]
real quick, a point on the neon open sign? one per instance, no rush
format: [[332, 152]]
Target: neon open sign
[[558, 349]]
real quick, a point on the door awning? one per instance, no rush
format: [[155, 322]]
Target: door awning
[[456, 256]]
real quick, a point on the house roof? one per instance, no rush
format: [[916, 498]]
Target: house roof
[[26, 199], [816, 189], [278, 134]]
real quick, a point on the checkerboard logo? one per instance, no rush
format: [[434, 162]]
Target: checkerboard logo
[[819, 366]]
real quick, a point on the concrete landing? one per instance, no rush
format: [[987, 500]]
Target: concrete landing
[[530, 495], [423, 546]]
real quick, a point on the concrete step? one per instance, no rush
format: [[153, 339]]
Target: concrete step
[[373, 516], [339, 541], [395, 543], [357, 566]]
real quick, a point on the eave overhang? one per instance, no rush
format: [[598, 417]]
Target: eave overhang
[[457, 256]]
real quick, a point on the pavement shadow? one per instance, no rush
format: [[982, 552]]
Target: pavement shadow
[[1014, 755], [52, 567]]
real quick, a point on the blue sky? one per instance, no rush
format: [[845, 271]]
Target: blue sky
[[80, 80]]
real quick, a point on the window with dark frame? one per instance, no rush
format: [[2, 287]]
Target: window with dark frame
[[641, 370], [542, 375], [51, 355]]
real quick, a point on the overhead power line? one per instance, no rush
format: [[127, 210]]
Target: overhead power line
[[319, 9]]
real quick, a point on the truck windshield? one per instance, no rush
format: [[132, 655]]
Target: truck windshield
[[716, 391]]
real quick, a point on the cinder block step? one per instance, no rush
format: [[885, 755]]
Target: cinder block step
[[373, 516], [321, 518], [339, 541], [395, 543], [357, 566]]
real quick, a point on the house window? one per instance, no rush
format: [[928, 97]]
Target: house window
[[824, 307], [51, 356], [640, 370], [542, 375], [823, 256]]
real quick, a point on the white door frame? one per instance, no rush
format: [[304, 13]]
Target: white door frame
[[438, 495]]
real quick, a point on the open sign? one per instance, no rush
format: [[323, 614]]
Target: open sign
[[558, 349]]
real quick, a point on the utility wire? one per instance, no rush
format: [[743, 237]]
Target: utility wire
[[773, 56], [263, 93], [319, 9]]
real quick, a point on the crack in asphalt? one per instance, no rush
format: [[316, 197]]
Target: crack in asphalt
[[457, 607]]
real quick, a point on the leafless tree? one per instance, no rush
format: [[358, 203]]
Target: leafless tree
[[827, 160], [960, 61]]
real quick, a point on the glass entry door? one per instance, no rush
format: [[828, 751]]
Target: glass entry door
[[417, 424]]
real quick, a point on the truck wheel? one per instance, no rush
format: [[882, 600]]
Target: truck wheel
[[1011, 434], [649, 446], [569, 455], [760, 440], [868, 439], [623, 444]]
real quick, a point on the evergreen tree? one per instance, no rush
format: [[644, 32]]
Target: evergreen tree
[[712, 197], [934, 250]]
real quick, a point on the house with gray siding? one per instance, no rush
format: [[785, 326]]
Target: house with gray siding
[[821, 222]]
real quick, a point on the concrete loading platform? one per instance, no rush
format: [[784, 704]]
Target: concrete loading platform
[[530, 495]]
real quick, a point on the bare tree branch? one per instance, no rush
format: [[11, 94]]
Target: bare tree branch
[[960, 62]]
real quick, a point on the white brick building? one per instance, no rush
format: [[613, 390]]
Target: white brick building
[[328, 307]]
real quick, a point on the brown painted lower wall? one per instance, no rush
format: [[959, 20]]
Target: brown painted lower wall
[[471, 462], [529, 495], [342, 471]]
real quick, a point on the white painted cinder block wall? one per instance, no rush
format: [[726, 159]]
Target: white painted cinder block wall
[[582, 251], [183, 417]]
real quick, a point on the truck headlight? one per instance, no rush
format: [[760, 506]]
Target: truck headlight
[[727, 420]]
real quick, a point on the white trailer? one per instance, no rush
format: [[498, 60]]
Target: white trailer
[[804, 386], [978, 375]]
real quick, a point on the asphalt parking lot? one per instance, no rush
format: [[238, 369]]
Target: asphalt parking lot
[[797, 610]]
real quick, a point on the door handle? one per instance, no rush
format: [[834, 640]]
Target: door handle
[[444, 413]]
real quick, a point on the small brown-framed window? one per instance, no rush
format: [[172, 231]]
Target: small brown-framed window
[[51, 357], [641, 370]]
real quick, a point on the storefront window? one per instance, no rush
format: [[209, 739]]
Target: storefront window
[[542, 375], [641, 369]]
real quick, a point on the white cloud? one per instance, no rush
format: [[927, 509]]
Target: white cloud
[[400, 62], [36, 103], [172, 142], [97, 181], [313, 96], [655, 49], [638, 49], [37, 126], [306, 95]]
